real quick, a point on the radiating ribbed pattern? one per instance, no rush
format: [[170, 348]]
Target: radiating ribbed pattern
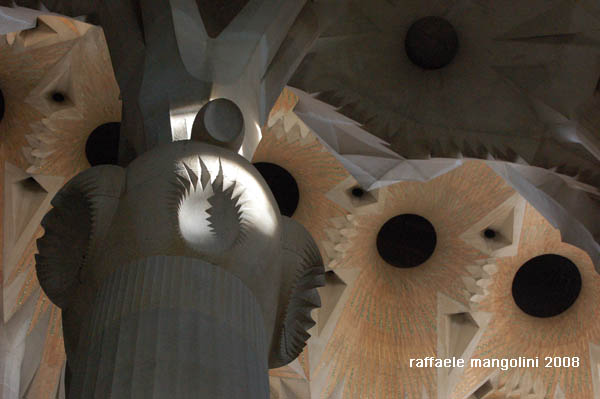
[[172, 327]]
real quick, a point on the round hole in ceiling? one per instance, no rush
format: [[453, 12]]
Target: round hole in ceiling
[[431, 42], [58, 97], [358, 192], [406, 240], [282, 185], [489, 233], [546, 285], [1, 105], [102, 146]]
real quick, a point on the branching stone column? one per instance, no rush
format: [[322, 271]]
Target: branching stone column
[[177, 277]]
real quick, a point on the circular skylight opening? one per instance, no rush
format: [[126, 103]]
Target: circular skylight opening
[[431, 42], [546, 285], [357, 192], [58, 97], [489, 233], [102, 146], [282, 185], [406, 240]]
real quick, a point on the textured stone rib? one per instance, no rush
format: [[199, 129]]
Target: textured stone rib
[[169, 327]]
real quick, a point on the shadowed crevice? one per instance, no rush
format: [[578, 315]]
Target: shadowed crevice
[[217, 15]]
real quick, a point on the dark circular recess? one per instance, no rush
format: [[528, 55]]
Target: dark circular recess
[[489, 233], [58, 97], [1, 105], [282, 185], [406, 240], [431, 42], [358, 192], [102, 146], [546, 285]]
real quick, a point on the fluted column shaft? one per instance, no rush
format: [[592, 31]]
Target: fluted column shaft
[[172, 327]]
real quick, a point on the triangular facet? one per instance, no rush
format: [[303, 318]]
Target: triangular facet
[[27, 196], [482, 391], [284, 372], [294, 388], [568, 17], [38, 34], [34, 345], [322, 332], [26, 200], [217, 15], [344, 194], [498, 233], [28, 390], [55, 91], [349, 144], [459, 332], [330, 295], [462, 329], [66, 28], [49, 30], [506, 228], [560, 85], [320, 385], [297, 368], [527, 77]]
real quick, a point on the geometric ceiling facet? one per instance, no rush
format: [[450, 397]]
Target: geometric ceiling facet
[[513, 333], [360, 197], [568, 17], [34, 348], [498, 233], [349, 195], [283, 122], [294, 388], [320, 387], [27, 196], [49, 30], [55, 91], [71, 103], [330, 294], [26, 200], [459, 332], [462, 329], [482, 391], [364, 68], [216, 16], [335, 295], [38, 34]]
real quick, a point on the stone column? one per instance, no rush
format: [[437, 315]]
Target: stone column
[[174, 327], [177, 276]]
